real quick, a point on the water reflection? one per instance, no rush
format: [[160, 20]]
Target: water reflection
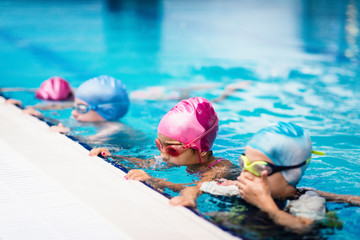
[[132, 37], [331, 27], [352, 31]]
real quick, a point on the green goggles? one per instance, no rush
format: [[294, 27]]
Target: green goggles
[[257, 167]]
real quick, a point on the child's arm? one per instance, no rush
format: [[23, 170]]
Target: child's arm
[[256, 191], [341, 198], [229, 89], [41, 106], [54, 106], [18, 89], [158, 183], [189, 195], [31, 111], [106, 153], [296, 224]]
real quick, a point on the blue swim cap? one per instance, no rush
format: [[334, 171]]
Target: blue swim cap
[[286, 144], [106, 95]]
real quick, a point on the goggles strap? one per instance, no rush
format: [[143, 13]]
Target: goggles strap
[[317, 152], [202, 135], [189, 145], [200, 159]]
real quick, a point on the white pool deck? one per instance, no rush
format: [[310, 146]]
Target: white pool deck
[[51, 189]]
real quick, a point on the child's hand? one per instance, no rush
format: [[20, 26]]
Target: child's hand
[[353, 200], [182, 201], [14, 102], [255, 190], [187, 197], [137, 174], [60, 128], [100, 151], [32, 111]]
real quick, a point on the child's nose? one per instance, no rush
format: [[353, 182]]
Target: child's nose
[[164, 155], [74, 113]]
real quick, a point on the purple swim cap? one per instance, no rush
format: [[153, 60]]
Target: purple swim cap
[[192, 121], [54, 88]]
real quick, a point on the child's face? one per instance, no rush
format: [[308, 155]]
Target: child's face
[[277, 182], [188, 157], [90, 116]]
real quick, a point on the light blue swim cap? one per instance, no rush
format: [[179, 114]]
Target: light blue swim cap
[[106, 95], [286, 144]]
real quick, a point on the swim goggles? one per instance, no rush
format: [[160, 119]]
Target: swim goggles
[[177, 149], [257, 167], [172, 149], [83, 108]]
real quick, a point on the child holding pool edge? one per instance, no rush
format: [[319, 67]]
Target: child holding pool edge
[[274, 162], [98, 99], [56, 92], [53, 89], [59, 95], [185, 137]]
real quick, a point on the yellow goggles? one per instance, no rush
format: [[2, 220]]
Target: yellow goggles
[[257, 167]]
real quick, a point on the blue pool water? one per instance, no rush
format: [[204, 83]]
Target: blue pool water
[[302, 58]]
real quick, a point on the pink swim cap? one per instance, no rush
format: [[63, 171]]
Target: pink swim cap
[[192, 121], [55, 88]]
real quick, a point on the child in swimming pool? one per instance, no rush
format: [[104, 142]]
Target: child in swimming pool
[[58, 91], [99, 99], [162, 93], [185, 138], [98, 105], [55, 90], [275, 159]]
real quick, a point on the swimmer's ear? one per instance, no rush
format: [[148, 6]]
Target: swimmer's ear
[[203, 153]]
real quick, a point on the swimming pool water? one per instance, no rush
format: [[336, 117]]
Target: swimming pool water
[[302, 58]]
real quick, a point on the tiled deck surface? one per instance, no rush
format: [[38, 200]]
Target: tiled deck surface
[[51, 189]]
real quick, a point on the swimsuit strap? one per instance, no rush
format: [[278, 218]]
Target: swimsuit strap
[[213, 163]]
